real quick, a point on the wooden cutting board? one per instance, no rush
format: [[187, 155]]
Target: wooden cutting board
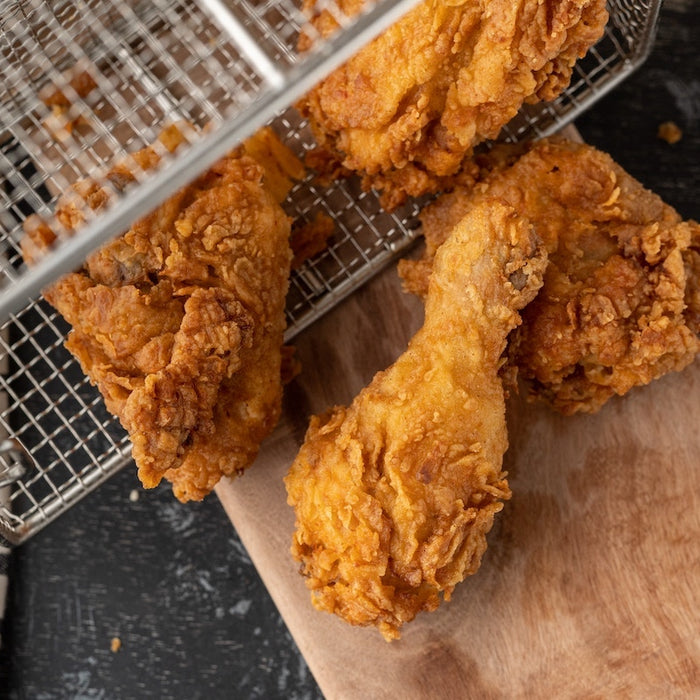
[[591, 583]]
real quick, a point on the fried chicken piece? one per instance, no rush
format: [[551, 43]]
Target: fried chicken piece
[[407, 109], [620, 305], [395, 494], [180, 321]]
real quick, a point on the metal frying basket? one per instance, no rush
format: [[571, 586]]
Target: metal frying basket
[[234, 67]]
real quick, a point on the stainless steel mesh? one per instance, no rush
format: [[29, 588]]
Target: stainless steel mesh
[[234, 67]]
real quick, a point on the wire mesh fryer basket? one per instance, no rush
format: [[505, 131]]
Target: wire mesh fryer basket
[[152, 63]]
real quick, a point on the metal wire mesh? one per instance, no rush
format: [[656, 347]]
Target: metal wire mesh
[[149, 64]]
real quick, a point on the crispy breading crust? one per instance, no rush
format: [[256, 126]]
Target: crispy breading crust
[[179, 322], [620, 304], [394, 495], [406, 110]]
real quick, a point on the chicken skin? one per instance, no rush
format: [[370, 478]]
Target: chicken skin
[[620, 304], [179, 322], [394, 495], [407, 110]]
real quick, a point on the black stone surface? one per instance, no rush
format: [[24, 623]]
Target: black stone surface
[[665, 88], [173, 582]]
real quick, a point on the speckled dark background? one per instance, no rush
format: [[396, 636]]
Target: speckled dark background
[[173, 582]]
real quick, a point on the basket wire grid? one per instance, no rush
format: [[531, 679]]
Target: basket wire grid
[[231, 67]]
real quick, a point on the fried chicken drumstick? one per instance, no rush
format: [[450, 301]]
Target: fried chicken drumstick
[[394, 495], [407, 109], [179, 322], [620, 304]]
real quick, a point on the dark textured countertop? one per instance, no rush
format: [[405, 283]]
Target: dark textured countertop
[[173, 582]]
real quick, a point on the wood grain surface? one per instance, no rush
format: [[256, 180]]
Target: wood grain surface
[[591, 583]]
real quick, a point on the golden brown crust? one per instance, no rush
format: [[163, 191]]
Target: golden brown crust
[[406, 110], [394, 495], [180, 321], [620, 303]]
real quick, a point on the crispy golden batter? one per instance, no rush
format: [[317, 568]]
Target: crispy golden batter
[[406, 110], [395, 494], [180, 321], [620, 305]]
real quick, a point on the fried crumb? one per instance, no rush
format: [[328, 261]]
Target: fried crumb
[[115, 645], [670, 132], [282, 167], [291, 366], [65, 118], [310, 237], [134, 495]]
